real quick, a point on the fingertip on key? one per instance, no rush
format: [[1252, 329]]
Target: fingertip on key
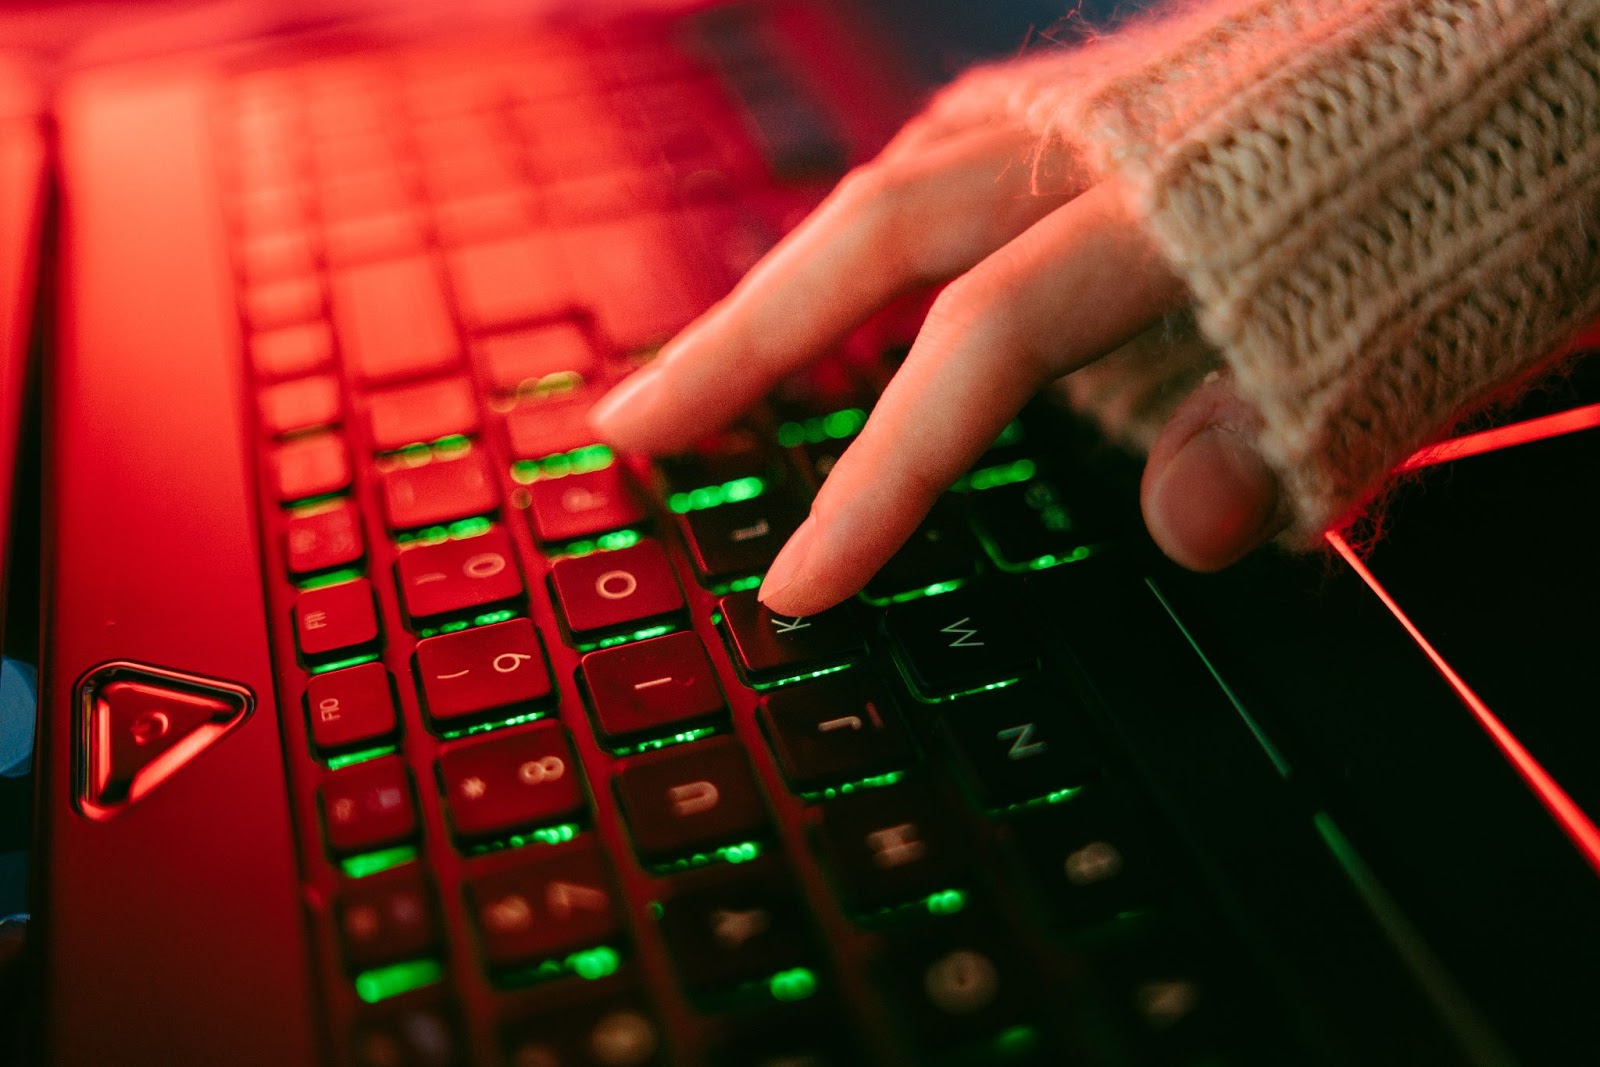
[[623, 415]]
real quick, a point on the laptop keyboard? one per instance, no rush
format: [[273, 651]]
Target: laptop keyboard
[[566, 792]]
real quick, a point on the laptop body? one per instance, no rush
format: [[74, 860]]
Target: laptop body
[[1319, 816]]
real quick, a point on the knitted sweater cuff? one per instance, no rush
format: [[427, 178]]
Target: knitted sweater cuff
[[1384, 209]]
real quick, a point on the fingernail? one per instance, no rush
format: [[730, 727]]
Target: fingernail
[[1215, 501], [624, 402], [790, 564]]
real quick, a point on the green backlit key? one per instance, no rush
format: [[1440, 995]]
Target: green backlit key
[[958, 643]]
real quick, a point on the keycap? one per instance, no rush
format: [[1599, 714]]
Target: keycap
[[547, 426], [439, 491], [651, 688], [409, 1034], [888, 845], [641, 256], [833, 730], [606, 591], [471, 672], [737, 454], [353, 706], [458, 575], [335, 619], [557, 903], [1019, 743], [1026, 522], [942, 550], [392, 320], [767, 646], [323, 539], [582, 505], [1088, 860], [289, 302], [519, 361], [472, 220], [360, 239], [416, 414], [739, 538], [387, 918], [311, 466], [275, 255], [368, 806], [689, 797], [736, 930], [1172, 1005], [291, 350], [510, 281], [615, 1033], [511, 780], [956, 985], [302, 404], [957, 642]]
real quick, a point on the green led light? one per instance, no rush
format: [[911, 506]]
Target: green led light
[[797, 983], [666, 742], [578, 461], [340, 664], [593, 963], [385, 982], [320, 581], [877, 781], [559, 834], [492, 617], [738, 585], [993, 477], [835, 426], [498, 724], [609, 542], [622, 639], [1056, 797], [947, 902], [350, 759], [1017, 1041], [764, 686], [915, 594], [1008, 436], [459, 530], [743, 852], [656, 910], [312, 503], [373, 862], [712, 496], [1006, 684]]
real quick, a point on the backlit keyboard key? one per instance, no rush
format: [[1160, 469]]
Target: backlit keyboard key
[[368, 238], [957, 642], [553, 906], [323, 539], [888, 845], [690, 797], [285, 303], [582, 505], [302, 404], [472, 672], [735, 931], [1089, 862], [311, 466], [650, 688], [336, 619], [511, 781], [542, 428], [392, 320], [1019, 743], [833, 730], [368, 806], [350, 707], [957, 985], [292, 350], [417, 414], [768, 646], [518, 362], [456, 576], [510, 281], [482, 218], [741, 538], [388, 918], [1027, 522], [942, 550], [439, 491], [611, 1033], [606, 591]]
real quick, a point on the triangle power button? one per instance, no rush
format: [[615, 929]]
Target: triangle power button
[[141, 724]]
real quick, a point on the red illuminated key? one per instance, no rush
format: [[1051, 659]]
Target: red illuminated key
[[543, 428], [482, 218], [439, 491], [311, 466], [303, 404], [285, 303], [368, 806], [392, 319], [651, 687], [276, 255], [324, 539], [292, 350], [456, 576], [351, 707], [367, 238], [549, 908], [690, 797], [415, 414], [336, 618], [608, 590], [642, 258], [511, 781], [387, 919], [474, 671], [517, 361], [510, 281], [579, 505]]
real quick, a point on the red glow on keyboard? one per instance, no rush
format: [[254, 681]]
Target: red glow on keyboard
[[1573, 821], [1519, 433]]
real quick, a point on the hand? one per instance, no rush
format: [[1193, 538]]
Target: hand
[[1044, 276]]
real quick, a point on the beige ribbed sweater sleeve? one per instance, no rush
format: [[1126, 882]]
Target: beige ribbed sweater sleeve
[[1384, 209]]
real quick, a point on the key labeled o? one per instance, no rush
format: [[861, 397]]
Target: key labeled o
[[616, 585], [541, 770], [484, 565]]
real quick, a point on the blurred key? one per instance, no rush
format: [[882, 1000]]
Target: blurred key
[[614, 1033], [335, 619], [957, 642], [277, 255], [408, 1035], [582, 505], [439, 491], [546, 427], [323, 539], [457, 576], [554, 905], [310, 467], [417, 414], [290, 302], [641, 257], [740, 538], [368, 238], [483, 669], [350, 707], [889, 845], [1019, 743], [510, 281], [368, 806], [302, 404], [511, 780], [1088, 860], [292, 350], [768, 646], [957, 986], [392, 320], [833, 730], [519, 361], [1027, 522], [650, 688], [484, 217], [689, 797], [734, 931], [941, 550], [606, 591], [387, 918]]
